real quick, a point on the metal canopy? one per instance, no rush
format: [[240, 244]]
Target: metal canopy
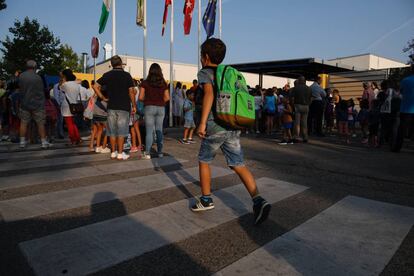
[[310, 68]]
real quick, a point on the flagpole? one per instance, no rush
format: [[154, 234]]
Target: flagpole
[[113, 29], [199, 35], [220, 19], [145, 41], [171, 60]]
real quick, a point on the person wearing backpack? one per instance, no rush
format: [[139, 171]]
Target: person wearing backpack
[[269, 109], [215, 136]]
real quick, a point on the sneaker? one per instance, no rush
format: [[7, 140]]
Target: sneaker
[[122, 156], [22, 145], [257, 132], [160, 155], [134, 149], [185, 142], [105, 150], [290, 142], [202, 205], [46, 145], [283, 142], [146, 156], [114, 154], [98, 149], [191, 141], [5, 137], [261, 211]]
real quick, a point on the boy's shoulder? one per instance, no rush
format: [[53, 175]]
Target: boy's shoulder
[[206, 75]]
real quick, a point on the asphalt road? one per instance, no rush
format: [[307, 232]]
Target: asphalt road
[[322, 176]]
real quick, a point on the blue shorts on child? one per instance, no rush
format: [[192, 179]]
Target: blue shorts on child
[[189, 123], [229, 143], [288, 125]]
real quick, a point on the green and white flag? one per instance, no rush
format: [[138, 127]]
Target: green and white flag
[[106, 5], [140, 13]]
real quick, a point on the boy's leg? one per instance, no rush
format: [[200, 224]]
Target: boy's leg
[[247, 178], [185, 134], [205, 178], [190, 135]]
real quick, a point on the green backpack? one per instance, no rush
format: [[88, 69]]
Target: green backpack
[[234, 106]]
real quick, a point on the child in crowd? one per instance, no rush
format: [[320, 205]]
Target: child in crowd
[[363, 120], [136, 140], [189, 124], [342, 120], [51, 110], [374, 118], [270, 110], [214, 137], [100, 116], [287, 121], [258, 105], [329, 114], [351, 117]]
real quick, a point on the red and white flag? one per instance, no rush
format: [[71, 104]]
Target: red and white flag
[[188, 15], [164, 18]]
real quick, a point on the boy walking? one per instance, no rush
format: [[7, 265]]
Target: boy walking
[[189, 124], [213, 136]]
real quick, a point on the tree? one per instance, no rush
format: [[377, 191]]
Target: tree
[[3, 4], [410, 50], [31, 41], [70, 59]]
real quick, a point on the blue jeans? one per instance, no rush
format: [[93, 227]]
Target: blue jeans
[[153, 117]]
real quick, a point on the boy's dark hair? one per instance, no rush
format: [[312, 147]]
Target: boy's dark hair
[[215, 49], [68, 74]]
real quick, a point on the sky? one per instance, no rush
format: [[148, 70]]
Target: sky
[[252, 30]]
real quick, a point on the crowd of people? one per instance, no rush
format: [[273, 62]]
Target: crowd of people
[[303, 110]]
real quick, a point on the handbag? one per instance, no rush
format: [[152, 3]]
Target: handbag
[[75, 108]]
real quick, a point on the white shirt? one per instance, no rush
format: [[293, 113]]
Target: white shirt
[[72, 91], [86, 94]]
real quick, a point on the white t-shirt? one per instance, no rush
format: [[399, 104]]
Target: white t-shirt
[[72, 91], [86, 94]]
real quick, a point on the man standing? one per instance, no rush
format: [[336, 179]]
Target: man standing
[[121, 94], [58, 95], [32, 103], [316, 108], [301, 98]]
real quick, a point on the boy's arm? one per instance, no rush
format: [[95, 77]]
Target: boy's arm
[[207, 105]]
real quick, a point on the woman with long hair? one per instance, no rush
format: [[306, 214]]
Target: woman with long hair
[[154, 93], [71, 91]]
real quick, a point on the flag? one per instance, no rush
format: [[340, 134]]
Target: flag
[[140, 13], [106, 5], [188, 15], [164, 18], [209, 18]]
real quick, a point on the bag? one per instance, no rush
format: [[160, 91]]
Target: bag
[[88, 113], [51, 110], [75, 108], [234, 106]]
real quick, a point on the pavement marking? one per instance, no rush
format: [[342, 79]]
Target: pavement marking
[[41, 204], [42, 153], [23, 180], [57, 161], [97, 246], [355, 236]]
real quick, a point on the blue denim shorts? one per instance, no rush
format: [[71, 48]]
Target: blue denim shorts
[[228, 142], [118, 123]]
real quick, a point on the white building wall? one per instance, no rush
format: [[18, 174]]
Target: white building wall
[[377, 62], [358, 62], [368, 62]]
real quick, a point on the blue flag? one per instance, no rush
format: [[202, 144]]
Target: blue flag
[[209, 18]]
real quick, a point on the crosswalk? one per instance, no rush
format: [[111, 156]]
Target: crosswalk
[[138, 221]]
